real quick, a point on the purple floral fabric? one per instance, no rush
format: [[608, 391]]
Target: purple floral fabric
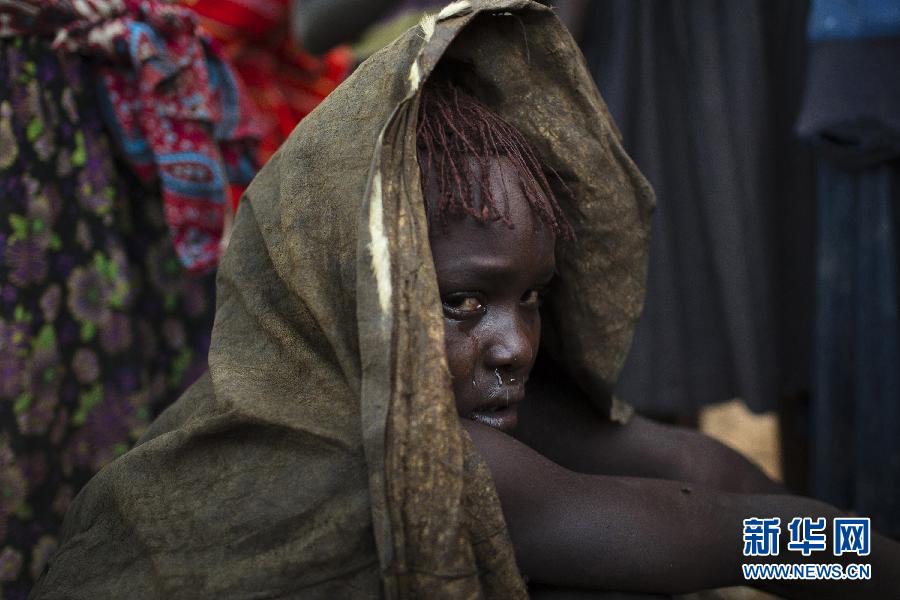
[[100, 326]]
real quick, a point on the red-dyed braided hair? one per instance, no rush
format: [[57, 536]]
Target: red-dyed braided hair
[[454, 128]]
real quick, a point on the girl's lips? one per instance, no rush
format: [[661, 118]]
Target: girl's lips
[[504, 419], [503, 396], [501, 410]]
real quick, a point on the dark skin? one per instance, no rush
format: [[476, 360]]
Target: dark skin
[[491, 352], [591, 504]]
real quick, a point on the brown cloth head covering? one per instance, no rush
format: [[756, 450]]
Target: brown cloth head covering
[[322, 456]]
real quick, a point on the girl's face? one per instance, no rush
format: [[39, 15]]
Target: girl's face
[[492, 279]]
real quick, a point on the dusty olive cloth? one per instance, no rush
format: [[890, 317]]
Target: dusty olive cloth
[[322, 456]]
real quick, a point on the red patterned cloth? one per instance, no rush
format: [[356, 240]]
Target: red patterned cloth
[[178, 114], [285, 82]]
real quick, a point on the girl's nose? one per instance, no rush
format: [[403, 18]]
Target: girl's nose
[[511, 346]]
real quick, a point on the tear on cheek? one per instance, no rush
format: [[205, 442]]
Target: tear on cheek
[[474, 344]]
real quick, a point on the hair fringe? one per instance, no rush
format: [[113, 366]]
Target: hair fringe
[[454, 127]]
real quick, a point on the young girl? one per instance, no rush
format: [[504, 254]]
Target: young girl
[[377, 420], [494, 231]]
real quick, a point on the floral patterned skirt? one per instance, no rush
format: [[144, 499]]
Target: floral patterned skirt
[[100, 328]]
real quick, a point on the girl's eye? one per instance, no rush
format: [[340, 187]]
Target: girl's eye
[[533, 298], [462, 306]]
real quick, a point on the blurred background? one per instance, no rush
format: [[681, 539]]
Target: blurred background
[[770, 131]]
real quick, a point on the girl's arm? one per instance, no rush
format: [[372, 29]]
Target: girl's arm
[[640, 448], [644, 535]]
